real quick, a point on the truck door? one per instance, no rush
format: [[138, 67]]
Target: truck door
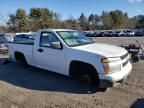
[[47, 57]]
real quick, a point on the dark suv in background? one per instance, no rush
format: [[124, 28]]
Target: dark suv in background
[[3, 43]]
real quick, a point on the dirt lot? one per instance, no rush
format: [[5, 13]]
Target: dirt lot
[[35, 88]]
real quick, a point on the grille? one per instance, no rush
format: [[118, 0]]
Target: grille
[[125, 63], [124, 56]]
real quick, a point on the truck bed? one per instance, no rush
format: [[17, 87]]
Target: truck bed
[[23, 42], [26, 48]]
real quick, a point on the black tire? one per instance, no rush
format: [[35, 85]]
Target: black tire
[[89, 76], [134, 58], [22, 61]]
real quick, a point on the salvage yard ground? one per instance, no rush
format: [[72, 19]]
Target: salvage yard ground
[[35, 88]]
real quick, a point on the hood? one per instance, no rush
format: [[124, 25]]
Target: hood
[[102, 49]]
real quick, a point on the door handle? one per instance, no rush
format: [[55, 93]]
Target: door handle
[[40, 50]]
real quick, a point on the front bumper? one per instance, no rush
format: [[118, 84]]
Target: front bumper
[[115, 78]]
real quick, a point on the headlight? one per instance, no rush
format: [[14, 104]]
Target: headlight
[[109, 60], [3, 45], [110, 66], [115, 68]]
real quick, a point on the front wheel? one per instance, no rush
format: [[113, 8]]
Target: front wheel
[[86, 79], [89, 77]]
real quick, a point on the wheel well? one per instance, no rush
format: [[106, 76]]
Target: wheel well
[[19, 56], [75, 67]]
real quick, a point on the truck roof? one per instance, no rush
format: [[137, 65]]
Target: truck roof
[[56, 30]]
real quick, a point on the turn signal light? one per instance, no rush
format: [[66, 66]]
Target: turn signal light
[[105, 60], [106, 69]]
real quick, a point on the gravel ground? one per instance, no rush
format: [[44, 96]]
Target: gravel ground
[[35, 88]]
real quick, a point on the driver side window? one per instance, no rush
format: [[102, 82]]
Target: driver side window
[[47, 38]]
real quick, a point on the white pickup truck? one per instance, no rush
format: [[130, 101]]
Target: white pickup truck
[[69, 53]]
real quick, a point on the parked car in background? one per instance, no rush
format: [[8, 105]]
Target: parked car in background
[[119, 33], [3, 43], [89, 33], [106, 34], [10, 37], [139, 33], [86, 33], [129, 33], [24, 37], [2, 37], [101, 34], [111, 33], [92, 34]]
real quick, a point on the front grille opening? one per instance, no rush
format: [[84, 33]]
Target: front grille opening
[[124, 56], [125, 63]]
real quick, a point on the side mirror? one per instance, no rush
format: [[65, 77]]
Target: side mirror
[[56, 45]]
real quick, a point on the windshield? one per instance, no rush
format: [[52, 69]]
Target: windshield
[[74, 38]]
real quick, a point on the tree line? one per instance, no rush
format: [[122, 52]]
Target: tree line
[[40, 18]]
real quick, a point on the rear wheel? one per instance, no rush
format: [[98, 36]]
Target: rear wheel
[[24, 62], [20, 58]]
